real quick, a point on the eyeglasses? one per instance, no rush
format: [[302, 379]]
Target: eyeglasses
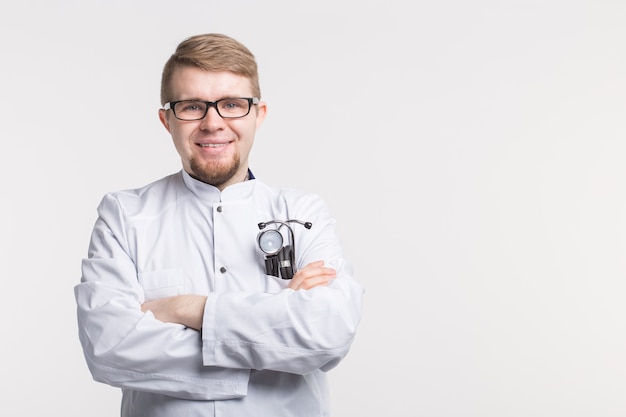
[[227, 108]]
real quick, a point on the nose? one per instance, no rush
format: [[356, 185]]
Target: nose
[[212, 120]]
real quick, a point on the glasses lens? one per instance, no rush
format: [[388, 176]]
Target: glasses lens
[[190, 110], [233, 107]]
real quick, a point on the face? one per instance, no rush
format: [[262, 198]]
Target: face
[[213, 150]]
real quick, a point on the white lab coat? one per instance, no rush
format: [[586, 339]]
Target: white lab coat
[[264, 349]]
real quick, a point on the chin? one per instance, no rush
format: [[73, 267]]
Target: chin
[[215, 176]]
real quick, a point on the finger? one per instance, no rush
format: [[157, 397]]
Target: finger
[[311, 280], [314, 264], [311, 283], [310, 272], [146, 306]]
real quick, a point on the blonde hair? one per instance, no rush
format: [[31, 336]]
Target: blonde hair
[[211, 52]]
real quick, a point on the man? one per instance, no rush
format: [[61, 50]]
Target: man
[[178, 304]]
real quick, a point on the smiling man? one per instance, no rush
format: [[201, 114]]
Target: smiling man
[[209, 292]]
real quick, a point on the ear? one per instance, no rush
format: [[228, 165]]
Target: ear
[[261, 112], [164, 120]]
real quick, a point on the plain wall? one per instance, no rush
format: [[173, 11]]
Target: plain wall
[[471, 151]]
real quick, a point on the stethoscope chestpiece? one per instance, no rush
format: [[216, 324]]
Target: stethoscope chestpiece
[[270, 241], [279, 259]]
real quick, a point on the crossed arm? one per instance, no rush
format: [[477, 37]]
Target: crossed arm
[[188, 310]]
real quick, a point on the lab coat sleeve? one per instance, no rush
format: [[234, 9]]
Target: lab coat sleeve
[[289, 331], [127, 348]]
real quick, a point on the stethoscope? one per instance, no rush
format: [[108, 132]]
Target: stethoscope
[[279, 259]]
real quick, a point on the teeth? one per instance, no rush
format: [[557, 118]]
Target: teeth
[[212, 145]]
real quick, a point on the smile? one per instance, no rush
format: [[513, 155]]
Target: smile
[[212, 145]]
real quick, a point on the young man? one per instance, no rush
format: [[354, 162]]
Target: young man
[[209, 292]]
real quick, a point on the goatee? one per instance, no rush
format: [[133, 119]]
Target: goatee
[[213, 174]]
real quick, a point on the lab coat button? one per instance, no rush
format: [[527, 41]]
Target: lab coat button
[[219, 209], [223, 270]]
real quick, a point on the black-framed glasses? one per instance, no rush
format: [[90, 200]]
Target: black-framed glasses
[[227, 108]]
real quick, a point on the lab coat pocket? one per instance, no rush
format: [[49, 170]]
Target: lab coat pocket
[[272, 284], [162, 283]]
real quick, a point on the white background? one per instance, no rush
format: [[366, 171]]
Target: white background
[[471, 151]]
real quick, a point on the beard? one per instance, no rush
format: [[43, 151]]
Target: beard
[[215, 174]]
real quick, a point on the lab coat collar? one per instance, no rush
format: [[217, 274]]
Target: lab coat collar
[[210, 193]]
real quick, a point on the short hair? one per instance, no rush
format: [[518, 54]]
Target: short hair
[[211, 52]]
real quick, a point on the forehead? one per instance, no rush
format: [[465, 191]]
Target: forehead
[[192, 82]]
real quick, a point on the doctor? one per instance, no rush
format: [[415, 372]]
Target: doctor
[[175, 305]]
